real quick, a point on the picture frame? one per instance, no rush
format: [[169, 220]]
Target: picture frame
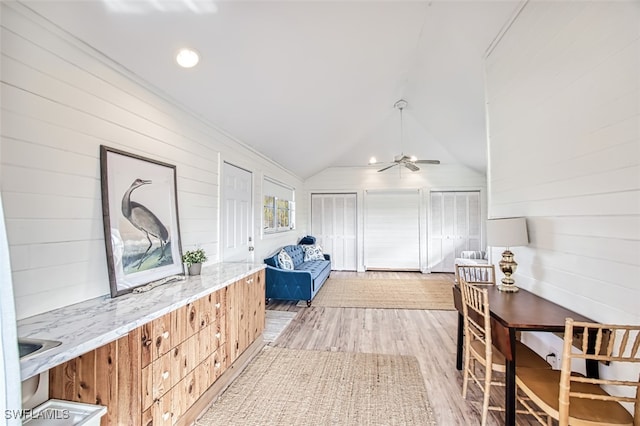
[[140, 218]]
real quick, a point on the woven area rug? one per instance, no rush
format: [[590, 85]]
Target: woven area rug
[[387, 293], [297, 387]]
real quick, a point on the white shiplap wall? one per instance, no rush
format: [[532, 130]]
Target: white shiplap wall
[[444, 177], [60, 101], [563, 93]]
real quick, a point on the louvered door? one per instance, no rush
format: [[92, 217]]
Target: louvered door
[[455, 225]]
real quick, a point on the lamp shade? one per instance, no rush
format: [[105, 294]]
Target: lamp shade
[[509, 232]]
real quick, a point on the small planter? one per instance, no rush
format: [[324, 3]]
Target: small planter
[[194, 259], [195, 268]]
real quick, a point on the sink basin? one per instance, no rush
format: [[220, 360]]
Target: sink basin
[[28, 347]]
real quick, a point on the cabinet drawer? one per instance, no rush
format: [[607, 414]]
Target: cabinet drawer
[[206, 310], [220, 302], [184, 358], [218, 334], [162, 333], [155, 339], [185, 322], [203, 343], [164, 411]]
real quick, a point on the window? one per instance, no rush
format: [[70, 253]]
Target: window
[[278, 212]]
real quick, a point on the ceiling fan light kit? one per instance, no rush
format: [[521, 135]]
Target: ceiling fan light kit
[[408, 161]]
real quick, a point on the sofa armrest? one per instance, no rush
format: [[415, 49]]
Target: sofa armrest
[[276, 279], [469, 254]]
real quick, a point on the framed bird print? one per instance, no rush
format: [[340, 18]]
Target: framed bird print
[[140, 217]]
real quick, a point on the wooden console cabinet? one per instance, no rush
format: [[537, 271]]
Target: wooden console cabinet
[[156, 373]]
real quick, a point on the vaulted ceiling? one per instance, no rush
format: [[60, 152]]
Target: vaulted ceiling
[[311, 84]]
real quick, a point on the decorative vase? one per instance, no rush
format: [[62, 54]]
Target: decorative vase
[[194, 268]]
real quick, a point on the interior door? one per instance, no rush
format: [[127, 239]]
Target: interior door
[[333, 223], [454, 226], [392, 230], [236, 214]]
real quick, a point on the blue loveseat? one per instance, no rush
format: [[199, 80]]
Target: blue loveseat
[[300, 283]]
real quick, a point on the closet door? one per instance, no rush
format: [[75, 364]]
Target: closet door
[[454, 226], [333, 223], [392, 230]]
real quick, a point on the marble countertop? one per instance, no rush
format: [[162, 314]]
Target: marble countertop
[[87, 325]]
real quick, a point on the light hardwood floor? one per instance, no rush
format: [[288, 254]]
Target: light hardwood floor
[[428, 335]]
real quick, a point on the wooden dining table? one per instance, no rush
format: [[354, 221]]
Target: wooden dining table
[[511, 313]]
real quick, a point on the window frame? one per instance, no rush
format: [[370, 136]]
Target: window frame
[[278, 211]]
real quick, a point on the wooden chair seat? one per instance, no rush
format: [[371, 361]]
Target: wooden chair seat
[[542, 387], [525, 356], [573, 399]]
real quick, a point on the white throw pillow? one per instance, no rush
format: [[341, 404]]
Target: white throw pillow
[[313, 253], [285, 260]]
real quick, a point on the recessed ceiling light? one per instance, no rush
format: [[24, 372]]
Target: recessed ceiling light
[[373, 160], [187, 58]]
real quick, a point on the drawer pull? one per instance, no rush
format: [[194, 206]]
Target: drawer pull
[[166, 416], [218, 335], [165, 335], [165, 375], [218, 305], [217, 365]]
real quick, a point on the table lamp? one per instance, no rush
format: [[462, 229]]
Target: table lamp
[[508, 232]]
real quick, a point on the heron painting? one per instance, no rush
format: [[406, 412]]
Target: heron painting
[[142, 238], [146, 222]]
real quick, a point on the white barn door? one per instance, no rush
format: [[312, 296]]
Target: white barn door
[[333, 223], [454, 226], [392, 230], [236, 214]]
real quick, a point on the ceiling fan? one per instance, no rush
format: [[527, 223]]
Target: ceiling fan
[[408, 161]]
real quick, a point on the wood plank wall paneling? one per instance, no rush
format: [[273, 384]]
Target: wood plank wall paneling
[[60, 101], [564, 148]]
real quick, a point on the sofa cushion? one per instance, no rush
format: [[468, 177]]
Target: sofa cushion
[[285, 260], [313, 252], [296, 253], [313, 266]]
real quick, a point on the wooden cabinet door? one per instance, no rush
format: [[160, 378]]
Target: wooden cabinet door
[[245, 313], [234, 313], [257, 299], [109, 376]]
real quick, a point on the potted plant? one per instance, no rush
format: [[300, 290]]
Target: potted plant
[[194, 259]]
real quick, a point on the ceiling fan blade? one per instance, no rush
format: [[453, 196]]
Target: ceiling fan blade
[[412, 167], [386, 168], [427, 161]]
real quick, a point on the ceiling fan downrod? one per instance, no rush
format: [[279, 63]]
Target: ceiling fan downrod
[[403, 160]]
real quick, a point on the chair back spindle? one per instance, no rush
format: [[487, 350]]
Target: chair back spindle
[[476, 274]]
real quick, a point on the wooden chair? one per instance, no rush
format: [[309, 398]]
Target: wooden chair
[[573, 399], [478, 346], [476, 274]]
